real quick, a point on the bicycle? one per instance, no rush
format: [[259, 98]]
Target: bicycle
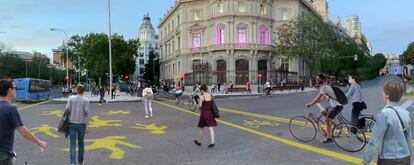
[[367, 122], [345, 135], [192, 104]]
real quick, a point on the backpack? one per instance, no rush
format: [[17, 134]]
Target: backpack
[[340, 95]]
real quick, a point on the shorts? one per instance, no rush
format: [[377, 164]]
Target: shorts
[[178, 94], [333, 112]]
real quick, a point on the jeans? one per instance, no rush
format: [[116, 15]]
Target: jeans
[[147, 104], [5, 158], [356, 111], [101, 99], [76, 131]]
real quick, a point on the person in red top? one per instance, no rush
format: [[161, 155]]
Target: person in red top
[[249, 87]]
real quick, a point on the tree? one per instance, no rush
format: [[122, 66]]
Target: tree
[[306, 37], [92, 52], [408, 54], [152, 68]]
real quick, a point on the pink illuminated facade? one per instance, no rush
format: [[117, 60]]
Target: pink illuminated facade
[[215, 41]]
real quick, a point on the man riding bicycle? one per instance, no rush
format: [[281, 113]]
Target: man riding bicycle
[[332, 110], [268, 87]]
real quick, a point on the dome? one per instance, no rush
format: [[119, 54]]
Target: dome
[[146, 22]]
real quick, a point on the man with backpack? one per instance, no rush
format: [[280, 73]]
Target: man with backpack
[[336, 99]]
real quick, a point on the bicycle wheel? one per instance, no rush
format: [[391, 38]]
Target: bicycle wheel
[[191, 105], [302, 128], [350, 138], [367, 124]]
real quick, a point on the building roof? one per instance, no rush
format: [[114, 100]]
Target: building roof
[[146, 22], [21, 54]]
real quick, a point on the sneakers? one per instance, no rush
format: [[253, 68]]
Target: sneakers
[[197, 143], [211, 145], [146, 116], [327, 140], [99, 104], [151, 114]]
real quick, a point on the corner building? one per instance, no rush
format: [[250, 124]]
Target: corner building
[[213, 41]]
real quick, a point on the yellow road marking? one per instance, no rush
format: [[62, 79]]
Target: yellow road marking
[[58, 113], [95, 122], [110, 143], [116, 112], [344, 157], [33, 105], [153, 128], [257, 123], [45, 129]]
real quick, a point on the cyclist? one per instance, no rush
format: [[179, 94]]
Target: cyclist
[[178, 92], [268, 87], [196, 93], [329, 112]]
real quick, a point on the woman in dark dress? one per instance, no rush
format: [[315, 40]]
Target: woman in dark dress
[[206, 116]]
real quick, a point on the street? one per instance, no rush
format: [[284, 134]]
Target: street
[[251, 130]]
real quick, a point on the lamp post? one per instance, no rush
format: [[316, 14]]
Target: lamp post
[[67, 54], [110, 44]]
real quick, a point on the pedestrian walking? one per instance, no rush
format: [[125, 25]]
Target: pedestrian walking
[[212, 88], [148, 95], [218, 86], [391, 136], [197, 92], [9, 122], [102, 95], [206, 117], [78, 106], [355, 94], [302, 85], [113, 92], [248, 87]]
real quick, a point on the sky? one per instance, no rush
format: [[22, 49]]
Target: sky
[[25, 24]]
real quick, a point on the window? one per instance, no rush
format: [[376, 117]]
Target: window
[[196, 15], [263, 9], [242, 7], [220, 35], [285, 15], [141, 61], [221, 6], [196, 40], [241, 35], [179, 67], [141, 70], [264, 36], [173, 69], [178, 43], [178, 19]]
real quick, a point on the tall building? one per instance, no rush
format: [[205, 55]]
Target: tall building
[[148, 41], [352, 26], [57, 59], [213, 41], [321, 6]]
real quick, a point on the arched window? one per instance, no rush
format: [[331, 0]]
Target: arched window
[[221, 70], [263, 8], [220, 6], [220, 34], [242, 71]]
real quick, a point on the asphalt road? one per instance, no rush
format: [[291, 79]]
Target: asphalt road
[[252, 130]]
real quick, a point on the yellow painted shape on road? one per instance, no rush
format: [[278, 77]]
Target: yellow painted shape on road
[[344, 157], [33, 105], [45, 129], [257, 123], [153, 128], [58, 113], [15, 103], [109, 143], [96, 122], [116, 112]]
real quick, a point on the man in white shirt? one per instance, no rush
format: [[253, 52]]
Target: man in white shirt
[[147, 96]]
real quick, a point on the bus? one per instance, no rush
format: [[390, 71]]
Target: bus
[[32, 90]]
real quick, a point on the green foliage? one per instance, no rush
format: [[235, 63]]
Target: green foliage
[[92, 52], [152, 68], [408, 54]]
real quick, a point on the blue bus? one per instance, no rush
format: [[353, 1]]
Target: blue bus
[[32, 90]]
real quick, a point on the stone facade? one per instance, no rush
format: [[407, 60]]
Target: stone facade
[[215, 41]]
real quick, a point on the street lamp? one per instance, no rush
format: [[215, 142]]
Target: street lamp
[[110, 44], [67, 54]]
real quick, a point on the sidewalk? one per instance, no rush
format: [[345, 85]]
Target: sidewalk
[[222, 94], [120, 97]]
